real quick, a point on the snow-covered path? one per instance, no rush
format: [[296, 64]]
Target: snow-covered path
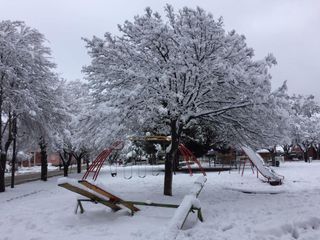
[[37, 210]]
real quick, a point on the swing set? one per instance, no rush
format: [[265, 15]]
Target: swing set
[[188, 157], [112, 153]]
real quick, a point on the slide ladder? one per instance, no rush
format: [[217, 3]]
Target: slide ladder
[[190, 158], [96, 165]]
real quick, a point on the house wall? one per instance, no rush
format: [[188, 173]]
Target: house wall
[[54, 159], [267, 156], [226, 158], [312, 153]]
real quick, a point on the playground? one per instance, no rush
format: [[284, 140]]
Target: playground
[[233, 207]]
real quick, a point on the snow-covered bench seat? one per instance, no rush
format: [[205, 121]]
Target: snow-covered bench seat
[[190, 203]]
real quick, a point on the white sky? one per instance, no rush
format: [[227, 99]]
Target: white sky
[[287, 28]]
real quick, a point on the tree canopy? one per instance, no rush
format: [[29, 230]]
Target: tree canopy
[[171, 72]]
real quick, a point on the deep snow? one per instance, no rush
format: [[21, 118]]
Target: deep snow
[[42, 210]]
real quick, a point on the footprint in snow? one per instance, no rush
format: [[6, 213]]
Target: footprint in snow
[[227, 228]]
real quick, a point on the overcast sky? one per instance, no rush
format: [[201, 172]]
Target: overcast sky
[[290, 29]]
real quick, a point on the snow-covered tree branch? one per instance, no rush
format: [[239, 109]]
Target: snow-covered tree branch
[[178, 70]]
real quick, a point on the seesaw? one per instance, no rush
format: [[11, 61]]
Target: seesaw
[[98, 194]]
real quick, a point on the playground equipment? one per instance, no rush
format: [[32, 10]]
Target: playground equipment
[[113, 169], [154, 171], [190, 158], [98, 194], [112, 152], [125, 174], [187, 155], [95, 194], [96, 165], [257, 161]]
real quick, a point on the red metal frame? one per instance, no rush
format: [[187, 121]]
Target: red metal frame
[[189, 157], [96, 165], [186, 158]]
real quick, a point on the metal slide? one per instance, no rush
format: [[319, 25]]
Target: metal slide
[[272, 177]]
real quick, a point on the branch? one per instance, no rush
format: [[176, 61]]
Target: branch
[[222, 110]]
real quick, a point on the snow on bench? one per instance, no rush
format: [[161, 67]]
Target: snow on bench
[[258, 161], [190, 202], [198, 185]]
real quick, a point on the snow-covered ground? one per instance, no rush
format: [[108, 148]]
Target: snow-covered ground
[[42, 210], [34, 169]]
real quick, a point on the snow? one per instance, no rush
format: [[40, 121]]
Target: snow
[[44, 211], [198, 184], [257, 160], [189, 201], [263, 151], [176, 223], [279, 149], [33, 169]]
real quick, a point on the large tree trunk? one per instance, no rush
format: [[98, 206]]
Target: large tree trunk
[[87, 161], [168, 175], [78, 159], [44, 159], [65, 170], [44, 165], [3, 160], [305, 150], [3, 157], [305, 155], [286, 149], [66, 160], [4, 154], [170, 159], [176, 162], [79, 165], [14, 151], [318, 150]]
